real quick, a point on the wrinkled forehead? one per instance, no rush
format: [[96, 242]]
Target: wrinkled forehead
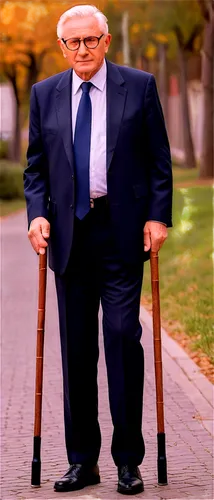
[[81, 27]]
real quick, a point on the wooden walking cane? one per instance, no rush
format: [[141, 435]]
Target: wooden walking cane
[[161, 459], [36, 463]]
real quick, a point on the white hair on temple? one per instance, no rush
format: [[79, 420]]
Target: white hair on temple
[[83, 11]]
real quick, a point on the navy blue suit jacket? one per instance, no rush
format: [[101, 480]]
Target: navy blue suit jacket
[[139, 178]]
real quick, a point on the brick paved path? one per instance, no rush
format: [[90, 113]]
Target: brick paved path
[[188, 442]]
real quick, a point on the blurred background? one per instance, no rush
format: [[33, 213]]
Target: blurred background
[[173, 39]]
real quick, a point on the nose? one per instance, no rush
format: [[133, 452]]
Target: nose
[[82, 49]]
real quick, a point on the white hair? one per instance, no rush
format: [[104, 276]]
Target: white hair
[[83, 11]]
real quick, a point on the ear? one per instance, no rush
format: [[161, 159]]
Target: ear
[[62, 47], [107, 42]]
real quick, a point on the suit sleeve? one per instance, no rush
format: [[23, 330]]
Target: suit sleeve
[[160, 207], [36, 185]]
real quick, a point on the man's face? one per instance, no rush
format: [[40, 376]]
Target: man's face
[[86, 62]]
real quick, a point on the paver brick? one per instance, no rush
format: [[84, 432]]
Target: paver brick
[[189, 444]]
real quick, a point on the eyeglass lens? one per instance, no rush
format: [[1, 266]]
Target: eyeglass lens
[[90, 42]]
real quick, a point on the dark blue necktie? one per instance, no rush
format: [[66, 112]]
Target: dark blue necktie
[[82, 143]]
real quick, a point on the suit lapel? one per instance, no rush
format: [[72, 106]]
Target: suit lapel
[[64, 113], [116, 98]]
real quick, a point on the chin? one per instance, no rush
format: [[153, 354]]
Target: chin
[[85, 66]]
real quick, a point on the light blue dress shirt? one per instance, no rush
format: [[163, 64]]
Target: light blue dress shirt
[[98, 182]]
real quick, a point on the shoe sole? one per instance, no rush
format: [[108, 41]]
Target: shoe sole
[[131, 491], [80, 486]]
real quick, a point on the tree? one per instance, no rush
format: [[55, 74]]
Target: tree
[[162, 43], [184, 47], [28, 52], [206, 166], [183, 20], [126, 23]]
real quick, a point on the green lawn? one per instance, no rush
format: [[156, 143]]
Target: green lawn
[[186, 273], [10, 206]]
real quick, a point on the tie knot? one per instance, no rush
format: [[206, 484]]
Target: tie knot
[[86, 87]]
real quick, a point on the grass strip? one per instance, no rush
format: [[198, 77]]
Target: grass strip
[[7, 207], [186, 284]]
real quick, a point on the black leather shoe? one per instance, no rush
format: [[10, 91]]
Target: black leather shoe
[[77, 477], [129, 480]]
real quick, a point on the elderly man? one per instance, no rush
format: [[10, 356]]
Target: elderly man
[[98, 188]]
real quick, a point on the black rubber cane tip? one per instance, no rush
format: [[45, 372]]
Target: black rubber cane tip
[[36, 473], [162, 471], [161, 462]]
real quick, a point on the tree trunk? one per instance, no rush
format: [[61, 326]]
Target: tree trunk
[[206, 164], [138, 58], [145, 63], [162, 80], [17, 136], [125, 38], [16, 141], [188, 142]]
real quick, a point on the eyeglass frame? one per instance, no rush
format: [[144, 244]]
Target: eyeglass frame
[[83, 40]]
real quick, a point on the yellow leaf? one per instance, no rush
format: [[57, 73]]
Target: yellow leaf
[[151, 51], [135, 28], [161, 38]]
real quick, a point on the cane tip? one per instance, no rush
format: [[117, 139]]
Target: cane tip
[[36, 473], [162, 470]]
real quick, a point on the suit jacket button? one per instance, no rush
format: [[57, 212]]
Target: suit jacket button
[[72, 177], [71, 206]]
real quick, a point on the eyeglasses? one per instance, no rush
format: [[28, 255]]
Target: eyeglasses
[[91, 42]]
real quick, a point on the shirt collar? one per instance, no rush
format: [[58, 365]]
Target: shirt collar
[[98, 80]]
